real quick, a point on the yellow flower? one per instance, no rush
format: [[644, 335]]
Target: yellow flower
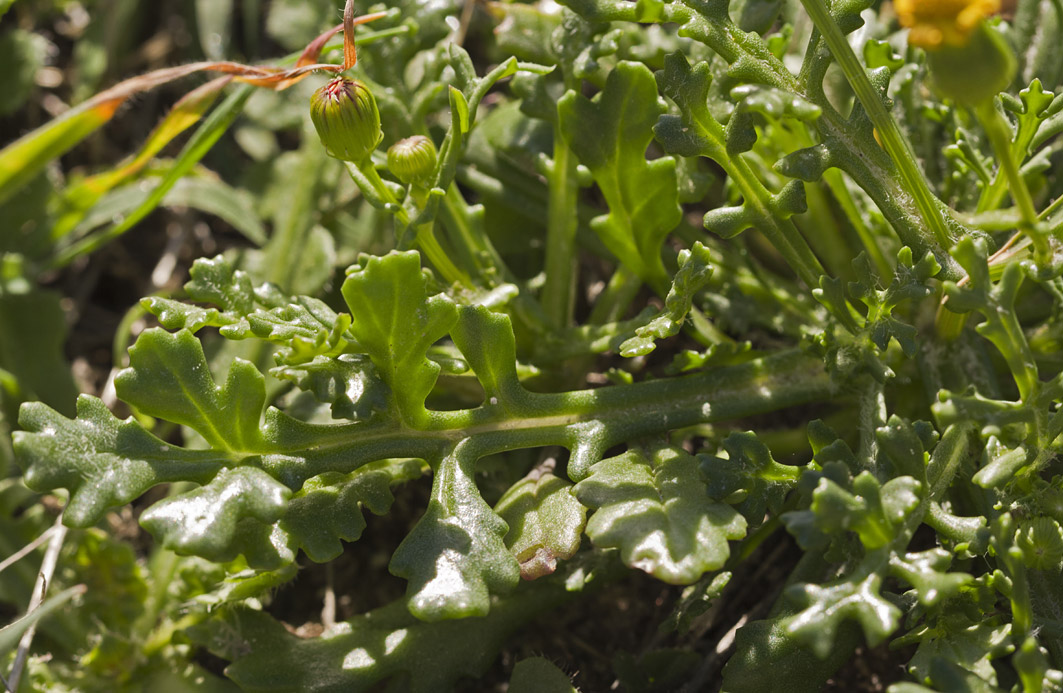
[[935, 23]]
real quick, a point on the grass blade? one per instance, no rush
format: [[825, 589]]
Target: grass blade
[[200, 143]]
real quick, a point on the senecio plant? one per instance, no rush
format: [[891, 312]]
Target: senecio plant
[[760, 298]]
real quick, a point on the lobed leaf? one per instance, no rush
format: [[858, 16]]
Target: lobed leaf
[[168, 376], [455, 557], [827, 606], [693, 274], [231, 515], [329, 507], [396, 322], [659, 515], [973, 646], [545, 522], [103, 462], [610, 136], [926, 572], [749, 479], [348, 382]]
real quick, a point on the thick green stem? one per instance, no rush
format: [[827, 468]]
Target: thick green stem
[[893, 141], [593, 420]]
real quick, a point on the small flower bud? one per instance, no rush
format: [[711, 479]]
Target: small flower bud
[[1041, 543], [412, 160], [347, 120]]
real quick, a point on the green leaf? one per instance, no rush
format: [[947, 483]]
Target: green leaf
[[305, 326], [875, 512], [910, 283], [217, 282], [996, 302], [231, 515], [949, 676], [103, 462], [545, 522], [396, 322], [34, 331], [1000, 464], [176, 315], [539, 675], [750, 479], [168, 377], [926, 572], [741, 133], [387, 644], [768, 658], [329, 507], [828, 606], [12, 632], [348, 382], [659, 515], [610, 136], [213, 281], [486, 339], [455, 558], [693, 274]]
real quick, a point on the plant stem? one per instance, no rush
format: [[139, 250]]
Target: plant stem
[[44, 580], [616, 296], [845, 200], [558, 296], [588, 421], [1000, 139], [893, 141], [377, 192]]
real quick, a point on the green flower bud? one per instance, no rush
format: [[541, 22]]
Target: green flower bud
[[345, 114], [973, 72], [412, 160], [1041, 543]]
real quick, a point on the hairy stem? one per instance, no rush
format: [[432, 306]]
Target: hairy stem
[[893, 140]]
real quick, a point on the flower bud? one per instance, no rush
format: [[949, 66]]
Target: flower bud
[[1041, 543], [412, 160], [974, 72], [969, 61], [347, 120]]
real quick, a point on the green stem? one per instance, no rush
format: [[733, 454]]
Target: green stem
[[558, 295], [845, 200], [1000, 138], [377, 192], [893, 141], [587, 421], [464, 235], [616, 296]]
